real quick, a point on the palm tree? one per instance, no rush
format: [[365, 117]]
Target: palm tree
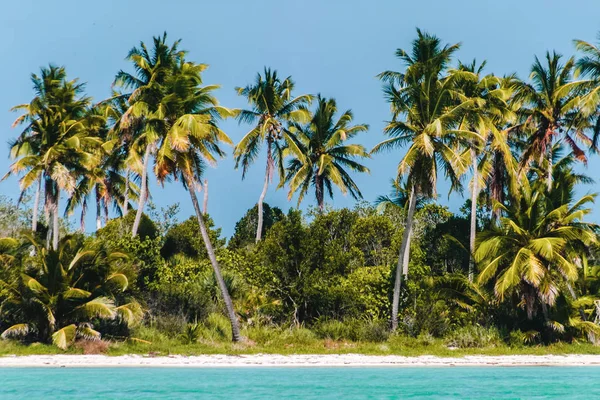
[[59, 146], [66, 288], [589, 66], [104, 179], [425, 115], [490, 112], [147, 84], [552, 112], [190, 138], [323, 154], [533, 253], [272, 105]]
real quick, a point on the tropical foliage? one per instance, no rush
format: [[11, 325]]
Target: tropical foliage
[[518, 263]]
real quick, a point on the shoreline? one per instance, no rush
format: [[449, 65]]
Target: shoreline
[[304, 360]]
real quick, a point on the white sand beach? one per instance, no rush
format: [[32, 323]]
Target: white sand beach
[[273, 360]]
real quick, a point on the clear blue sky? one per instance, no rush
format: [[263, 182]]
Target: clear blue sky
[[333, 47]]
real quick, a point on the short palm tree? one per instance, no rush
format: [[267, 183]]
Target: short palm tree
[[533, 253], [425, 116], [61, 291], [324, 156], [190, 138], [272, 105]]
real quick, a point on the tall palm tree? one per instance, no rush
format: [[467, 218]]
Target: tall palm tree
[[324, 154], [589, 66], [425, 116], [272, 105], [552, 112], [60, 147], [152, 69], [489, 114], [190, 139], [534, 251]]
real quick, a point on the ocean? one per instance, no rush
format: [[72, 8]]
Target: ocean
[[301, 383]]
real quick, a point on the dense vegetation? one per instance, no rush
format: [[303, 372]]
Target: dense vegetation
[[516, 266]]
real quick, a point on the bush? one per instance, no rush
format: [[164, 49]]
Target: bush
[[191, 333], [262, 334], [216, 328], [365, 330], [170, 324], [473, 336], [299, 336], [519, 339], [331, 329], [373, 331]]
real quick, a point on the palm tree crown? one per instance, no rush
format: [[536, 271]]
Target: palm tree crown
[[324, 154]]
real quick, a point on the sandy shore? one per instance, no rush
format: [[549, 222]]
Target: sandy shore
[[272, 360]]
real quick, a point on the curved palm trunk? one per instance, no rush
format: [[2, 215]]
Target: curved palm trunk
[[36, 205], [205, 202], [235, 327], [126, 194], [403, 259], [143, 194], [474, 195], [261, 199]]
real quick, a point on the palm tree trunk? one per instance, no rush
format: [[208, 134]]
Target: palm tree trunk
[[126, 194], [474, 195], [36, 205], [403, 259], [235, 327], [55, 231], [98, 216], [261, 199], [106, 212], [48, 202], [550, 168], [143, 194], [98, 211], [83, 214], [319, 191], [205, 202]]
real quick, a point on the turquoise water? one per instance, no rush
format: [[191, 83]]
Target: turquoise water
[[300, 383]]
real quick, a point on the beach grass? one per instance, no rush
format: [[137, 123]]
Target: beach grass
[[288, 342]]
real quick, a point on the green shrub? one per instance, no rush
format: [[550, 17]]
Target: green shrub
[[216, 327], [332, 329], [262, 334], [519, 339], [473, 336], [372, 331], [299, 336], [191, 333], [364, 330], [169, 324]]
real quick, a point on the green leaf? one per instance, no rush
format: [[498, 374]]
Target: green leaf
[[64, 337]]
